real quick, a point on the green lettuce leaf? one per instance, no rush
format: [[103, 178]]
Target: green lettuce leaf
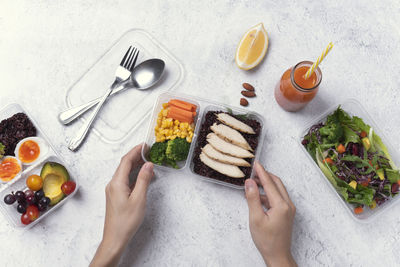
[[350, 136], [380, 146], [330, 175], [393, 175]]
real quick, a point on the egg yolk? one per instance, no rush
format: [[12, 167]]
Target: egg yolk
[[9, 168], [28, 151]]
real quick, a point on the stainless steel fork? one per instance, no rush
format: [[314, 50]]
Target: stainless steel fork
[[122, 73]]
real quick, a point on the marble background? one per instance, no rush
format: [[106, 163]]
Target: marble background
[[46, 45]]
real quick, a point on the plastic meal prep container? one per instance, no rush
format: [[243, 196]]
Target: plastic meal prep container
[[19, 182], [354, 108], [203, 106]]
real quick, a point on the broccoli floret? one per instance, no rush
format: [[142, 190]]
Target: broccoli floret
[[157, 153], [2, 147], [177, 149]]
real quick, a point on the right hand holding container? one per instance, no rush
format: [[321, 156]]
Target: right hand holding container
[[271, 230]]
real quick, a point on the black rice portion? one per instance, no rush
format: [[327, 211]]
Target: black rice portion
[[13, 130], [201, 169]]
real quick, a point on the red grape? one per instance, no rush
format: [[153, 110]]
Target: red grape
[[29, 193], [68, 187], [25, 219], [33, 212], [9, 199]]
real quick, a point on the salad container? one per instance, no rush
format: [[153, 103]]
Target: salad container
[[354, 108], [19, 182], [203, 106]]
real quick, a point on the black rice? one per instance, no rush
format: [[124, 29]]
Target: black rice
[[13, 130], [201, 169]]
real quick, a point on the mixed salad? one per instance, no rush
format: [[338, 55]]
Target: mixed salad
[[354, 159]]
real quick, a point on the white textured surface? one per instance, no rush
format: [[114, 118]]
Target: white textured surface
[[46, 45]]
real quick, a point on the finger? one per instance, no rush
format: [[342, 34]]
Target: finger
[[142, 182], [281, 188], [128, 162], [270, 188], [264, 201], [256, 211]]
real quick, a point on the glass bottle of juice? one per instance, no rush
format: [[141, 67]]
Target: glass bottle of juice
[[293, 91]]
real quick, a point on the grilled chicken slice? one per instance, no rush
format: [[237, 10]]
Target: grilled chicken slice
[[223, 158], [230, 135], [226, 169], [227, 148], [235, 123]]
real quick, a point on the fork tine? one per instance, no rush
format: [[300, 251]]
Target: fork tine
[[129, 60], [126, 55], [132, 65]]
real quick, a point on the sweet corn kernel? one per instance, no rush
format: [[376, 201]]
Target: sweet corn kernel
[[190, 134], [189, 139], [165, 105], [173, 137], [176, 122]]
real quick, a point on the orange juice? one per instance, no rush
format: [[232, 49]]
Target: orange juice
[[293, 91]]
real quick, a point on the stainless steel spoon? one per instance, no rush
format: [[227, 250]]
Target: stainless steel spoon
[[143, 76]]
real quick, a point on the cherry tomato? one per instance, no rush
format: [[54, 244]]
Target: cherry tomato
[[34, 182], [328, 160], [33, 212], [25, 219], [363, 134], [68, 187], [341, 149]]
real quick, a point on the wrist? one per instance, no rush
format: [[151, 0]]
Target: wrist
[[108, 253], [284, 260]]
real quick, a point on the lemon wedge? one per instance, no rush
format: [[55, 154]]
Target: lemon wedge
[[252, 47]]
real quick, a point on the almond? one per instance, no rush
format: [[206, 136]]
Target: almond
[[248, 93], [244, 102], [248, 87]]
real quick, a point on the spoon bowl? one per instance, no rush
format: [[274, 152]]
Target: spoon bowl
[[147, 73]]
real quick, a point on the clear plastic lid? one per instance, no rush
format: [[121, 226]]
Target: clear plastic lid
[[354, 108], [124, 112]]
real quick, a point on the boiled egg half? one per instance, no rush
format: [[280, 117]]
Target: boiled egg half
[[31, 149], [10, 167]]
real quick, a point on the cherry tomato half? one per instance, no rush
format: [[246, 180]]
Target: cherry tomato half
[[33, 212], [25, 219], [34, 182], [68, 187]]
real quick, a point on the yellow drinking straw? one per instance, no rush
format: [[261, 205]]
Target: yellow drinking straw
[[316, 63]]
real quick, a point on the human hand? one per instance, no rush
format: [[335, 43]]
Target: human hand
[[125, 208], [271, 230]]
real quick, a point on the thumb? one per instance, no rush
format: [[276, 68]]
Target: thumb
[[142, 182], [256, 211]]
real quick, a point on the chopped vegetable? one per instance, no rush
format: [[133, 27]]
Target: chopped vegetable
[[157, 153], [177, 149], [341, 149], [181, 114], [358, 210], [169, 129], [182, 105], [362, 135], [328, 160]]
